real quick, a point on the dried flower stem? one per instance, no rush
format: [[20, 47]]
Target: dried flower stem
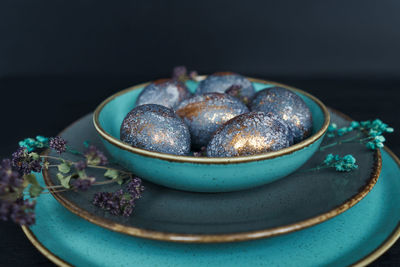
[[348, 140], [95, 183], [65, 189], [108, 168], [316, 168], [91, 166]]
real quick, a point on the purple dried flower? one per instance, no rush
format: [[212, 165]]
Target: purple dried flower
[[126, 204], [80, 165], [108, 201], [235, 91], [83, 184], [18, 157], [120, 203], [59, 144], [193, 75], [10, 180], [95, 157], [5, 208], [135, 187], [100, 199], [179, 73], [24, 162], [127, 210], [5, 164], [21, 211], [201, 153]]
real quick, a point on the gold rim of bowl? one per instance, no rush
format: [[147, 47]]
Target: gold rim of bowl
[[207, 160], [368, 259]]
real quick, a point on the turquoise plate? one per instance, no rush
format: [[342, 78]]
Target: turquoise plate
[[300, 200], [202, 174], [357, 236]]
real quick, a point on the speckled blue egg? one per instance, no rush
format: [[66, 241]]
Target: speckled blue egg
[[248, 134], [220, 82], [164, 92], [288, 106], [156, 128], [204, 113]]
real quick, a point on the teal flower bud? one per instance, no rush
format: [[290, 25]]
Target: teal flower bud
[[389, 130], [380, 138], [371, 145], [329, 158], [332, 127], [42, 139], [354, 124], [342, 131], [379, 144]]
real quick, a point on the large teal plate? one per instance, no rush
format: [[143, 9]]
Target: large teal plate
[[300, 200], [357, 236]]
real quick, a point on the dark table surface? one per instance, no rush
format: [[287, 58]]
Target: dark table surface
[[45, 105]]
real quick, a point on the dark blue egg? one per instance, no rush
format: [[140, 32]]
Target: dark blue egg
[[164, 92], [288, 107], [220, 82], [248, 134], [156, 128], [206, 112]]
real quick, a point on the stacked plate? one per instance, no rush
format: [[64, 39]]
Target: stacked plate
[[309, 218]]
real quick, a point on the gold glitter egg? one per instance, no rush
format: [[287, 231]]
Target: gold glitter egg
[[221, 82], [287, 106], [164, 92], [248, 134], [156, 128]]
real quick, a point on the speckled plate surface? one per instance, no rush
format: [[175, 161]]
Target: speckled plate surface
[[358, 236], [300, 200]]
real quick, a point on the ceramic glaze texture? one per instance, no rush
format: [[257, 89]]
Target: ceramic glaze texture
[[205, 113], [164, 92], [199, 174], [347, 239]]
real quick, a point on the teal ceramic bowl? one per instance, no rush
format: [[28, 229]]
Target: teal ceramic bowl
[[203, 174]]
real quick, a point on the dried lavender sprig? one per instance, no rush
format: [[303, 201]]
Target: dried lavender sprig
[[18, 182], [121, 202]]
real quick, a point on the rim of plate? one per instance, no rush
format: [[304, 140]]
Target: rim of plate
[[208, 160], [217, 238], [372, 256]]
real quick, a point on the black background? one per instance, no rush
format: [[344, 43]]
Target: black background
[[60, 59]]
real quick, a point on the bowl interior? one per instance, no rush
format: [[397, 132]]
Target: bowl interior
[[114, 112]]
